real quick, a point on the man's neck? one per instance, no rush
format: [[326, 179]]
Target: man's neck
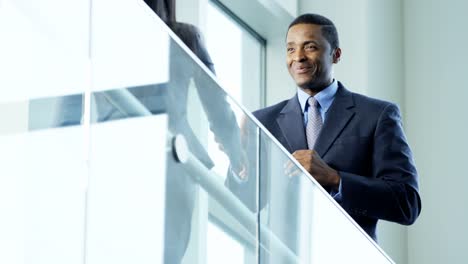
[[313, 90]]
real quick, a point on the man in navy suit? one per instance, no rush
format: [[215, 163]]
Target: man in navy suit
[[360, 154]]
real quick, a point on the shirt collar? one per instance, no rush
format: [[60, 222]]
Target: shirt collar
[[324, 97]]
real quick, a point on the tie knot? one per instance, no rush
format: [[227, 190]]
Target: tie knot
[[312, 101]]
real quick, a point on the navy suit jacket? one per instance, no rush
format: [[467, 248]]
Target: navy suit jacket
[[363, 139]]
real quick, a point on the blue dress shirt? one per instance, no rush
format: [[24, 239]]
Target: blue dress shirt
[[325, 98]]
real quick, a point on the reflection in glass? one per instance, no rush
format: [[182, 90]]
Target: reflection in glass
[[172, 98], [208, 103]]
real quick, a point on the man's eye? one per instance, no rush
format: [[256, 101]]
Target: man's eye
[[290, 50], [310, 47]]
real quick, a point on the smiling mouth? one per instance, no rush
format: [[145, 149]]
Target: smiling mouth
[[302, 70]]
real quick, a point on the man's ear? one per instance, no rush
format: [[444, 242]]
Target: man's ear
[[336, 55]]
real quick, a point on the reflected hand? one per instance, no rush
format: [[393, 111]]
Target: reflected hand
[[240, 166], [237, 158], [220, 145]]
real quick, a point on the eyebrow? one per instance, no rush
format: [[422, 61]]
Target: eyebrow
[[304, 43]]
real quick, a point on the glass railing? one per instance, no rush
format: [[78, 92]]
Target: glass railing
[[141, 157]]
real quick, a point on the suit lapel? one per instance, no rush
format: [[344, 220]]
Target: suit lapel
[[338, 116], [291, 123]]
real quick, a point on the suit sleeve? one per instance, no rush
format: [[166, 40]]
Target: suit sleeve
[[391, 192]]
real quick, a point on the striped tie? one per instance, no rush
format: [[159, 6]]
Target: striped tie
[[314, 122]]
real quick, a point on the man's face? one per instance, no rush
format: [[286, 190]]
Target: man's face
[[309, 57]]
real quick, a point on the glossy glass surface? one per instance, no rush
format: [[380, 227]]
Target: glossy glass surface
[[44, 51], [44, 56], [199, 111], [126, 190]]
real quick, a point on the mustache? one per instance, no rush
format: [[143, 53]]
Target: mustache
[[314, 67]]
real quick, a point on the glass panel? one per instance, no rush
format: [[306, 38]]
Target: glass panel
[[44, 54], [197, 109], [129, 134], [300, 213], [125, 213], [239, 236], [129, 45], [44, 50], [42, 191]]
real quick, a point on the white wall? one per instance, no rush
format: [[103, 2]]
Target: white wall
[[435, 95]]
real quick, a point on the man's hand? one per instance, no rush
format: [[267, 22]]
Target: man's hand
[[314, 164]]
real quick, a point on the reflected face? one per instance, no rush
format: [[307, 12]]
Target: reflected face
[[310, 57]]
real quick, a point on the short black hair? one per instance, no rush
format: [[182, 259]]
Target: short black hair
[[328, 28]]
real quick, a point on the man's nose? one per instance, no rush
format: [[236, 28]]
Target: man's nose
[[299, 56]]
